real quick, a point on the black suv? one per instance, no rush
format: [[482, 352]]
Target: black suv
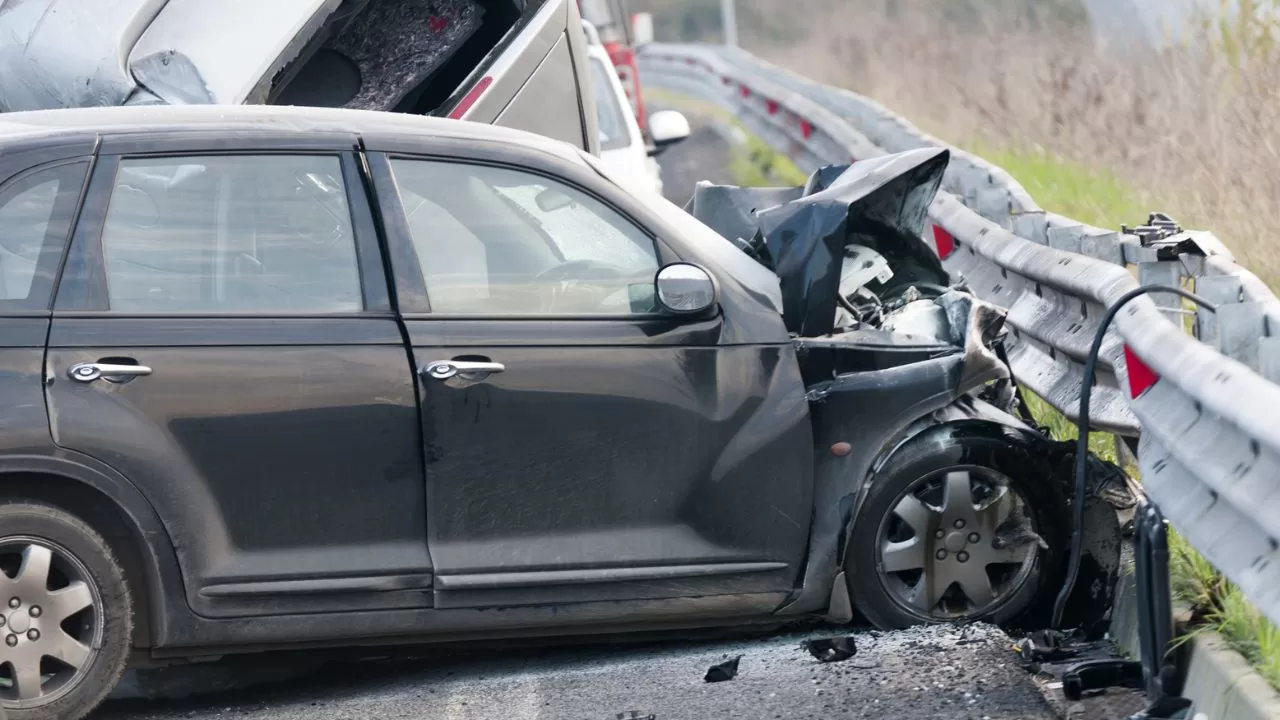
[[279, 376]]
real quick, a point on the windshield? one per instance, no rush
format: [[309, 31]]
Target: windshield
[[613, 124]]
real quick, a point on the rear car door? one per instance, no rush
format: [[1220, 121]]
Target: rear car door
[[222, 336], [37, 207], [580, 446]]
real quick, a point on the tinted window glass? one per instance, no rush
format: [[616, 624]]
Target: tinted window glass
[[503, 242], [36, 211], [235, 233]]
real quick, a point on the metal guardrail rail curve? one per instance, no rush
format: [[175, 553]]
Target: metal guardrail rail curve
[[1199, 389]]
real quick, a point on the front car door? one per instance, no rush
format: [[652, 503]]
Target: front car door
[[581, 445], [223, 337]]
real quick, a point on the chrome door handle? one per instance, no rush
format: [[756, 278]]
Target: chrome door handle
[[88, 372], [445, 369]]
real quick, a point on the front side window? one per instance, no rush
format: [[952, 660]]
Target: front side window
[[36, 211], [496, 241], [231, 234]]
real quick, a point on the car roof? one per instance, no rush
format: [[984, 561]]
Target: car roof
[[288, 119]]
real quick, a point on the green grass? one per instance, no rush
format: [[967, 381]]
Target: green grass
[[1095, 198], [1102, 200]]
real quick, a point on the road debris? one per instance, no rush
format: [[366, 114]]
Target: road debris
[[726, 670], [835, 649]]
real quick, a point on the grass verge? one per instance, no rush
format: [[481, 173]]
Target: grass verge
[[754, 163], [1103, 200]]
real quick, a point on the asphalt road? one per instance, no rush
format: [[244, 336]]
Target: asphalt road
[[937, 672]]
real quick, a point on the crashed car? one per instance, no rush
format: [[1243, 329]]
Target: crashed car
[[515, 63], [287, 377]]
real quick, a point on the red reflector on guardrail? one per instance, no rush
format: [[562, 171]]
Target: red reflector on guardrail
[[746, 91], [772, 105], [1141, 376], [943, 242], [806, 129]]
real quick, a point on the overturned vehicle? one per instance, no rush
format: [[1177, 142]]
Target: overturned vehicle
[[965, 511], [513, 63]]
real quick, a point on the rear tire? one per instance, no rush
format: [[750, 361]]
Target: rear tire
[[915, 558], [68, 615]]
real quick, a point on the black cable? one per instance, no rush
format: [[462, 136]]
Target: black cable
[[1082, 427]]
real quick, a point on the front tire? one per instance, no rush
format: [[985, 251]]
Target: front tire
[[951, 529], [67, 614]]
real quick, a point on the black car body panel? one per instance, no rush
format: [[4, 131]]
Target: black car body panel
[[293, 477]]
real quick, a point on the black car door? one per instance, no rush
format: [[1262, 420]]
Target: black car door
[[222, 336], [580, 445]]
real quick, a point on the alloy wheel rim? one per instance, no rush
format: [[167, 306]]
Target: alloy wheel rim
[[955, 545], [52, 622]]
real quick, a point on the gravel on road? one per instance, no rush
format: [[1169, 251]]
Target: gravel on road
[[939, 672]]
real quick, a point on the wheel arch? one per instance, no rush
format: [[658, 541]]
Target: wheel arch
[[116, 509]]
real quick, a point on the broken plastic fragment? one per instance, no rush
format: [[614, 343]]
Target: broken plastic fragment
[[830, 650], [726, 670]]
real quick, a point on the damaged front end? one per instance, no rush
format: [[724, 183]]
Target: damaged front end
[[861, 288], [900, 360]]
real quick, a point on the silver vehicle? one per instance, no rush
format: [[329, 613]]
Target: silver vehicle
[[515, 63]]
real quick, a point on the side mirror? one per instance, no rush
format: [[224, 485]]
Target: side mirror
[[686, 289], [667, 127]]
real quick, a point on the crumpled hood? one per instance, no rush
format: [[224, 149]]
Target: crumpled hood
[[801, 233]]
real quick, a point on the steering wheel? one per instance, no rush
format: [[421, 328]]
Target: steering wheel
[[572, 280]]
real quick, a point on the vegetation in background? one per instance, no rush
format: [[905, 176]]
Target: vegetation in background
[[754, 163]]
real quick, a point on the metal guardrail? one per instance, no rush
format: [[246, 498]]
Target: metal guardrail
[[1200, 390]]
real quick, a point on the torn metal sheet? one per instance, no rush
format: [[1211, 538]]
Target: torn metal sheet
[[802, 234], [69, 53]]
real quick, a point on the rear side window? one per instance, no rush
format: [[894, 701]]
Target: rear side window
[[231, 234], [36, 213]]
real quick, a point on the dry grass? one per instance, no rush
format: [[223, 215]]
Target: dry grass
[[1195, 129]]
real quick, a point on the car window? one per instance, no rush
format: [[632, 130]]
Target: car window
[[231, 233], [497, 241], [35, 218], [609, 117]]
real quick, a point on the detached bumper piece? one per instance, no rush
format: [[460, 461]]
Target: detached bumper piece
[[1154, 672]]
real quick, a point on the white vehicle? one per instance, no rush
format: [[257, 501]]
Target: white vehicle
[[622, 145]]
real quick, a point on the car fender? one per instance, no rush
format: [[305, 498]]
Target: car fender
[[162, 575]]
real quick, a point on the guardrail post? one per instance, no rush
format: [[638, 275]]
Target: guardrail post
[[1237, 327], [1103, 246], [1219, 290], [1066, 239], [1269, 358], [993, 204], [1169, 274], [1033, 226]]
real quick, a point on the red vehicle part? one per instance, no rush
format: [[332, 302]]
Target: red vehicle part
[[624, 62]]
